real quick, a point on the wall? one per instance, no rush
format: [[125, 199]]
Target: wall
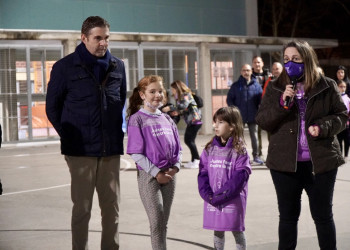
[[224, 17]]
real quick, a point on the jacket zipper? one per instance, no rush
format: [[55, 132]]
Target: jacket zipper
[[307, 102], [100, 87]]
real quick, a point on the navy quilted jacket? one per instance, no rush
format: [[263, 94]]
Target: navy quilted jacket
[[87, 114], [246, 97]]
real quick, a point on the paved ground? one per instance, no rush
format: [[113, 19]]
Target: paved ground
[[35, 208]]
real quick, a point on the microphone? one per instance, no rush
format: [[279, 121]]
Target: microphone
[[294, 81]]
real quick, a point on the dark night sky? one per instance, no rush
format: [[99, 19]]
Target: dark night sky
[[328, 19], [315, 19]]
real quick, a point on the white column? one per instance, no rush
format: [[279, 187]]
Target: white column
[[204, 78], [69, 46]]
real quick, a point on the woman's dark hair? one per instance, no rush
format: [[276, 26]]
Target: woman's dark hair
[[346, 77], [92, 22]]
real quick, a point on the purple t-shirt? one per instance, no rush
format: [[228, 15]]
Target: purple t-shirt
[[154, 136], [221, 162], [303, 148], [346, 101]]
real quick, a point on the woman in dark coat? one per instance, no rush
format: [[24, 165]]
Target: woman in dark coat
[[304, 112]]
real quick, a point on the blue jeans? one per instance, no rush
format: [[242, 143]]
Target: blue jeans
[[319, 188]]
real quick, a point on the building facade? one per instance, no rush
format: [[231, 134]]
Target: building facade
[[201, 43]]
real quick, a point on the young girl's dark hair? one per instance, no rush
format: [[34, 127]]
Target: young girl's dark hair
[[135, 100], [233, 117]]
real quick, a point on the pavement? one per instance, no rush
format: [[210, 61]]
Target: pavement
[[35, 207]]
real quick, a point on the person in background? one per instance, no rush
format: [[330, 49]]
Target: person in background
[[343, 136], [154, 145], [245, 94], [276, 70], [304, 153], [187, 107], [169, 108], [342, 75], [262, 76], [85, 99], [224, 185]]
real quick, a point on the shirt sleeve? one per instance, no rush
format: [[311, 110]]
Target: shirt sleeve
[[178, 163], [135, 137], [145, 164], [204, 188]]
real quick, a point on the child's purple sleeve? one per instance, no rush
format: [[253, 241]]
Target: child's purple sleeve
[[204, 188], [236, 183], [135, 138]]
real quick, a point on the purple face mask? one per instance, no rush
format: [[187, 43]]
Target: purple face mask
[[294, 69]]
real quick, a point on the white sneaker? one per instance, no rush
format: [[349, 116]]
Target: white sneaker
[[195, 164], [192, 164]]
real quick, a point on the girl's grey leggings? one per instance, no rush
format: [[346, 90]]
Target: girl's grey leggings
[[157, 200]]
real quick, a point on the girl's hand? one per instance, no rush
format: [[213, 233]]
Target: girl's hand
[[172, 171], [174, 113], [314, 131], [166, 109], [163, 178], [288, 92]]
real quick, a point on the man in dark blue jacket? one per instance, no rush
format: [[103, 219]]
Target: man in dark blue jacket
[[245, 94], [84, 103]]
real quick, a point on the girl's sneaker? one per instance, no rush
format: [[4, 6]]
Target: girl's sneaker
[[192, 164]]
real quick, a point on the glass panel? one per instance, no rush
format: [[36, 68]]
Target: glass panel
[[37, 70], [179, 74], [14, 92], [22, 108], [129, 56], [149, 59], [149, 72], [41, 125], [165, 75], [185, 67], [162, 58], [222, 69], [51, 57]]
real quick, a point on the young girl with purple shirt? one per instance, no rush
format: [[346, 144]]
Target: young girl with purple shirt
[[224, 171], [343, 136], [154, 144]]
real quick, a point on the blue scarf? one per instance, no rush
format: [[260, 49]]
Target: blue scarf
[[97, 65]]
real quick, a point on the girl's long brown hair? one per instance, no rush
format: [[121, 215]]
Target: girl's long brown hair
[[233, 117], [135, 100], [181, 88]]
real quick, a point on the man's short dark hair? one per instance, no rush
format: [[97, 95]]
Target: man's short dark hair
[[92, 22]]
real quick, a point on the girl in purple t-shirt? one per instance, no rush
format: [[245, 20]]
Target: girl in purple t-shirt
[[154, 144], [224, 170], [344, 135]]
